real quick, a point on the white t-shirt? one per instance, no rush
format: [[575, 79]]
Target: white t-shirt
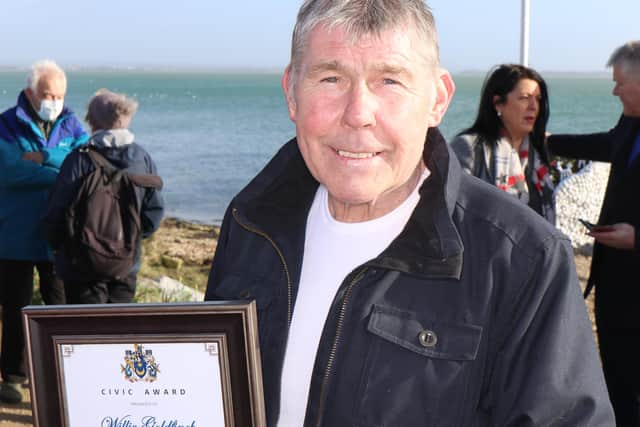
[[332, 250]]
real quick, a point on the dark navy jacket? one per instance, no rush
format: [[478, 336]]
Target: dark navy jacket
[[131, 157], [487, 278], [614, 272]]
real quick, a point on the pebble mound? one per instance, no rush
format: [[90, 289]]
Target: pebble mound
[[580, 196]]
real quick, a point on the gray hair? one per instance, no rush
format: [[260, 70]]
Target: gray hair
[[109, 110], [44, 68], [627, 57], [363, 17]]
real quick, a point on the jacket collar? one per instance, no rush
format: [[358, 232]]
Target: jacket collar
[[112, 138], [24, 106], [628, 128], [430, 245], [276, 202]]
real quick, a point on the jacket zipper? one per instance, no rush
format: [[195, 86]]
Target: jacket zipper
[[278, 251], [336, 341]]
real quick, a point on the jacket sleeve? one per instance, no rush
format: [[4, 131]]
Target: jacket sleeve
[[463, 146], [17, 173], [64, 190], [547, 371], [594, 146], [152, 209], [54, 156], [217, 266]]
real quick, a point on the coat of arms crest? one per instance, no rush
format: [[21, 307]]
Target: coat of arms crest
[[140, 365]]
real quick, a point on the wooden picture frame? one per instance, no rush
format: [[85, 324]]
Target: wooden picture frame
[[132, 360]]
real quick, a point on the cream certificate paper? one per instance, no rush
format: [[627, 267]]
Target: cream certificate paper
[[142, 385]]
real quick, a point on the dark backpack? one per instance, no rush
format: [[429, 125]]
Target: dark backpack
[[103, 220]]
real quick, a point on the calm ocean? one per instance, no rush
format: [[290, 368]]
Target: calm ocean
[[210, 133]]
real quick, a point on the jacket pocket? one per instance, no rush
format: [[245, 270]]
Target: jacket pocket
[[417, 369], [431, 338]]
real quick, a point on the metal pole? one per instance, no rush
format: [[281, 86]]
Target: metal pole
[[524, 34]]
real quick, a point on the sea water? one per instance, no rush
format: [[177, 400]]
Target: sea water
[[210, 133]]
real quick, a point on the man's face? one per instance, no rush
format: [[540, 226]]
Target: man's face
[[51, 87], [362, 111], [627, 88]]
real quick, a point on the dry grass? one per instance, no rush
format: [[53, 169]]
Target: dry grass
[[192, 244], [17, 415]]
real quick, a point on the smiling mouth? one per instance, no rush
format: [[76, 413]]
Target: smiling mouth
[[351, 155]]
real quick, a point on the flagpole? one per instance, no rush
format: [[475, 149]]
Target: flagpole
[[524, 34]]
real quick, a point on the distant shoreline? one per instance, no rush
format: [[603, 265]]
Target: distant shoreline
[[546, 73], [152, 69], [184, 217], [264, 71], [181, 219]]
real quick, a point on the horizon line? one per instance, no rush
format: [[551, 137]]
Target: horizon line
[[250, 70]]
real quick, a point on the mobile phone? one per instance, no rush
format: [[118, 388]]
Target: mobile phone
[[587, 224]]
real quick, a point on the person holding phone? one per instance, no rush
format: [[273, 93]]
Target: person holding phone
[[594, 227], [616, 253]]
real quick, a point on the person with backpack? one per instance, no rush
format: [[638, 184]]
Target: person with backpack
[[106, 198], [35, 137]]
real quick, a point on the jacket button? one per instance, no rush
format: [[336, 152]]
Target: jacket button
[[428, 338]]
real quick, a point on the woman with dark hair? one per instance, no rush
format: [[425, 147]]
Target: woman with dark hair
[[505, 145]]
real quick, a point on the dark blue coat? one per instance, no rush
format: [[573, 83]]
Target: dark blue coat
[[486, 275], [613, 271], [131, 157]]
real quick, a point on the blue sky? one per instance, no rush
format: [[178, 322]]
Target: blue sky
[[566, 35]]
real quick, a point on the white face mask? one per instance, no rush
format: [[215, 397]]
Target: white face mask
[[50, 110]]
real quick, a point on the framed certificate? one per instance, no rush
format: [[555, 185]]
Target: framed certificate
[[151, 365]]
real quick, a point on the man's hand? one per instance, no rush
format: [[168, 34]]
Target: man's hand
[[620, 235], [34, 156]]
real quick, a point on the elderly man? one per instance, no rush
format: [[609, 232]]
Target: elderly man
[[616, 253], [392, 289], [35, 137]]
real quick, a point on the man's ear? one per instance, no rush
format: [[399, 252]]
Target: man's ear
[[287, 86], [31, 96], [29, 93], [444, 92]]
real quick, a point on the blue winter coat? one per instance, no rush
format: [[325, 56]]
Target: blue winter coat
[[25, 185]]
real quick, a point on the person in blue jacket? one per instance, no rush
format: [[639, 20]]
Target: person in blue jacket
[[35, 137]]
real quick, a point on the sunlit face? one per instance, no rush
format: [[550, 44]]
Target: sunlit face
[[50, 87], [520, 110], [628, 90], [362, 111]]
